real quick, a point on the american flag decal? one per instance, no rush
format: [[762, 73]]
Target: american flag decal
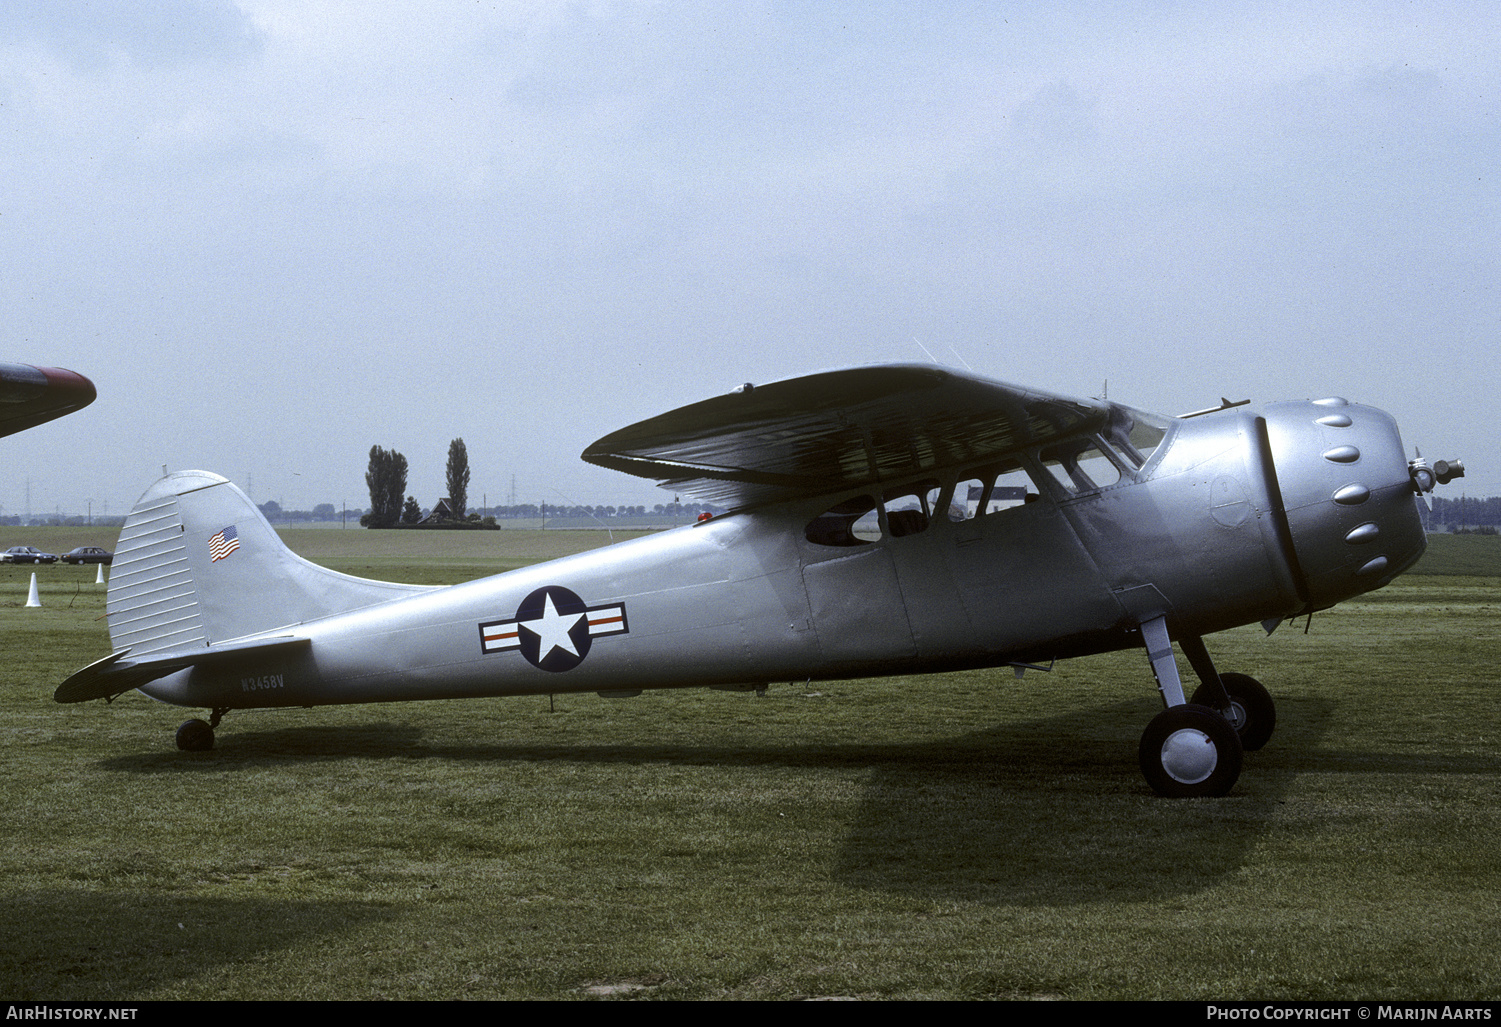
[[224, 543]]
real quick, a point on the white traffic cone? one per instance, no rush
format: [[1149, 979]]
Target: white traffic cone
[[32, 599], [99, 578]]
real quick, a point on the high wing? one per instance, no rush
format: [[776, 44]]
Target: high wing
[[30, 396], [840, 429]]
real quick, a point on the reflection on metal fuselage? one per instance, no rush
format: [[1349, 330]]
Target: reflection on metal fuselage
[[1236, 517]]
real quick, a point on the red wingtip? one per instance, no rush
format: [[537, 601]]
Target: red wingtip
[[30, 396]]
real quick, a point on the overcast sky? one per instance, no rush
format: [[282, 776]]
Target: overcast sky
[[275, 233]]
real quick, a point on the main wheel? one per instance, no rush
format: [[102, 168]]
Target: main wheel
[[1253, 714], [1189, 752], [195, 736]]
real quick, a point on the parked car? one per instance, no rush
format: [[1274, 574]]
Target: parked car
[[88, 554], [27, 554]]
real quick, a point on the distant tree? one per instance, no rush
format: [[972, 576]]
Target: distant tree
[[458, 478], [325, 512], [387, 478], [411, 513], [270, 509]]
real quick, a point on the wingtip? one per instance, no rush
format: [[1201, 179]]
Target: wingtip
[[72, 384], [35, 395]]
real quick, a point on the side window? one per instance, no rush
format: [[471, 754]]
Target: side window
[[1011, 488], [967, 500], [1080, 466], [907, 510], [854, 522], [932, 499], [1098, 467]]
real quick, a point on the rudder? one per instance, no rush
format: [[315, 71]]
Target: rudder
[[197, 564]]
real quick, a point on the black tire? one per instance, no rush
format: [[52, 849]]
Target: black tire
[[195, 736], [1190, 752], [1253, 713]]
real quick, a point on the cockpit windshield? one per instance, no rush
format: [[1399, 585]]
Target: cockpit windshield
[[1135, 434]]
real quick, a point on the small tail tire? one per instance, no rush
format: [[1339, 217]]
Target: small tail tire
[[1190, 752], [195, 736], [1253, 714]]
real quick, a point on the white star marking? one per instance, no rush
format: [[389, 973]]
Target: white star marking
[[552, 629]]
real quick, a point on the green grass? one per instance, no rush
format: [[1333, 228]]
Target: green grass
[[954, 836], [1461, 554]]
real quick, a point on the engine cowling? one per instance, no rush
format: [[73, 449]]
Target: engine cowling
[[1348, 495]]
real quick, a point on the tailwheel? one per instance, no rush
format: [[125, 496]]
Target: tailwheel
[[1252, 712], [1190, 752], [195, 736]]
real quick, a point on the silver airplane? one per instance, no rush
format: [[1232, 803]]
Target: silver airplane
[[884, 520]]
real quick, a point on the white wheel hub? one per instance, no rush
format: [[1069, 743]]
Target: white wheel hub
[[1189, 756]]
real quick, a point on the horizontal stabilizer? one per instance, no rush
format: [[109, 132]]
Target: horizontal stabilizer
[[116, 674]]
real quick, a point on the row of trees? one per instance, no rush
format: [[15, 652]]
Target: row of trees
[[322, 512], [387, 481], [1462, 512]]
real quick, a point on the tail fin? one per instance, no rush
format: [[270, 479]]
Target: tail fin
[[198, 565]]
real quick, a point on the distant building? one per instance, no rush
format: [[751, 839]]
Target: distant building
[[440, 513], [1002, 497]]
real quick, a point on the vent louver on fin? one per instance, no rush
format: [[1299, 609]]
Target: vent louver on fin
[[153, 603]]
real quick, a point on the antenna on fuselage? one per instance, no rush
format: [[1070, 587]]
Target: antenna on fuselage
[[1225, 404]]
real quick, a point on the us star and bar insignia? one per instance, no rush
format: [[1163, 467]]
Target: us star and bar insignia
[[553, 628]]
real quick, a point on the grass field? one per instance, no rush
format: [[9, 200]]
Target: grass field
[[956, 836]]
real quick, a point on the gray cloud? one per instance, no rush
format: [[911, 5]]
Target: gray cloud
[[278, 233]]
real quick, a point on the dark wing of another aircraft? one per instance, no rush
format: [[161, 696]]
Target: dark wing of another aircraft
[[30, 396], [839, 429]]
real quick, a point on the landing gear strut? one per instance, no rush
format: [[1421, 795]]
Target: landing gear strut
[[1195, 748], [197, 735]]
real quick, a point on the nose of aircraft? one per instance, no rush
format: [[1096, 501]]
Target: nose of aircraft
[[1349, 496]]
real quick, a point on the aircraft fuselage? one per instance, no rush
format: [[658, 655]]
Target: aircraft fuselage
[[1231, 518]]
